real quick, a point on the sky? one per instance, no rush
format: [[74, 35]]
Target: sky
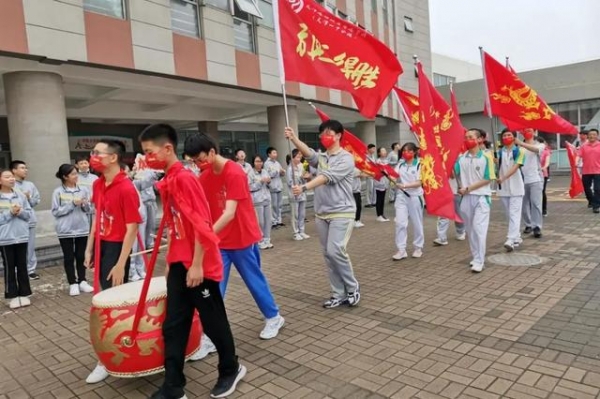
[[533, 33]]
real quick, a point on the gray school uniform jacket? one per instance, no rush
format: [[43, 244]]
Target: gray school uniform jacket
[[34, 199], [86, 180], [259, 190], [14, 229], [334, 199], [147, 190], [71, 220], [140, 186], [273, 168], [298, 181]]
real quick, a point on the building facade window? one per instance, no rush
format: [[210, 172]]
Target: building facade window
[[266, 9], [249, 7], [243, 30], [442, 80], [408, 24], [342, 15], [184, 17], [374, 6], [222, 4], [112, 8]]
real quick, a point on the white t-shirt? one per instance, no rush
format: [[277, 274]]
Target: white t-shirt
[[532, 168]]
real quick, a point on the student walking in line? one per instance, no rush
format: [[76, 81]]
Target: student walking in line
[[590, 156], [20, 171], [357, 193], [393, 159], [443, 224], [15, 212], [334, 208], [474, 172], [545, 160], [298, 201], [533, 179], [258, 180], [409, 203], [371, 196], [137, 267], [511, 187], [381, 187], [71, 208], [194, 270], [276, 172]]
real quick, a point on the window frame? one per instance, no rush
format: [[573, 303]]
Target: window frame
[[250, 21], [198, 19], [123, 7], [408, 24], [243, 3], [261, 23], [227, 8]]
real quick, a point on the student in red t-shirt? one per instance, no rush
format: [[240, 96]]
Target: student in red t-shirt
[[236, 223], [117, 201], [194, 269]]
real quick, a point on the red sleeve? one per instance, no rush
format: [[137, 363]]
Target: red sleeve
[[95, 194], [131, 204], [237, 184]]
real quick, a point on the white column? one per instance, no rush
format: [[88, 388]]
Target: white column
[[277, 124], [367, 132], [37, 124]]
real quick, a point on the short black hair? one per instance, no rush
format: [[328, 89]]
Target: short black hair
[[593, 130], [159, 133], [507, 130], [64, 170], [333, 125], [197, 143], [371, 146], [270, 150], [410, 146], [394, 145], [480, 132], [379, 151], [254, 159], [16, 163], [116, 146], [584, 132], [80, 158], [540, 140], [295, 152], [237, 150]]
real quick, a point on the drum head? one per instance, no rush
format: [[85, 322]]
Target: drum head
[[129, 293]]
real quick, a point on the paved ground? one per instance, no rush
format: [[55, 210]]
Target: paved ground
[[425, 328]]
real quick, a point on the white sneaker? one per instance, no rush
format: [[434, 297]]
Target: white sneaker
[[417, 253], [508, 245], [476, 267], [85, 287], [298, 237], [382, 219], [97, 375], [268, 244], [134, 277], [305, 236], [359, 224], [272, 327], [24, 301], [262, 245], [74, 289], [461, 237], [14, 303], [400, 255], [438, 242], [206, 348]]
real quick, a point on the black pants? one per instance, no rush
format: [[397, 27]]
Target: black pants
[[544, 197], [73, 249], [592, 195], [109, 256], [358, 200], [182, 302], [16, 279], [380, 201]]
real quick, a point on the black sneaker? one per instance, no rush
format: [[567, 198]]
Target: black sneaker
[[527, 230], [161, 395], [537, 232], [544, 214], [226, 385], [34, 276], [596, 210], [334, 303], [281, 224], [590, 206]]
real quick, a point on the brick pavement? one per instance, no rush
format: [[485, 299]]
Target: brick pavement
[[425, 328]]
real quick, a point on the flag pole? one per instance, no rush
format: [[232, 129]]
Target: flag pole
[[285, 104], [487, 99]]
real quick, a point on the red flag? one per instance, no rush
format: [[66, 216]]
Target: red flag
[[438, 194], [512, 100], [410, 107], [320, 49], [576, 187], [358, 149]]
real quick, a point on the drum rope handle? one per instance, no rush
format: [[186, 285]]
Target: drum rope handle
[[130, 341]]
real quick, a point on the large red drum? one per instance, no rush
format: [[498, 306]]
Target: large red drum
[[111, 323]]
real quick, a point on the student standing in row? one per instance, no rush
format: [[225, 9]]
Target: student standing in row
[[15, 212], [409, 202], [240, 158], [357, 193], [393, 159], [258, 180], [474, 172], [534, 183], [298, 201], [381, 187], [71, 208], [275, 172], [511, 187], [236, 224], [590, 156], [545, 160], [334, 208], [443, 224], [19, 170], [371, 197]]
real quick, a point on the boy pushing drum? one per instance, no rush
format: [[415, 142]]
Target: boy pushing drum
[[194, 267]]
